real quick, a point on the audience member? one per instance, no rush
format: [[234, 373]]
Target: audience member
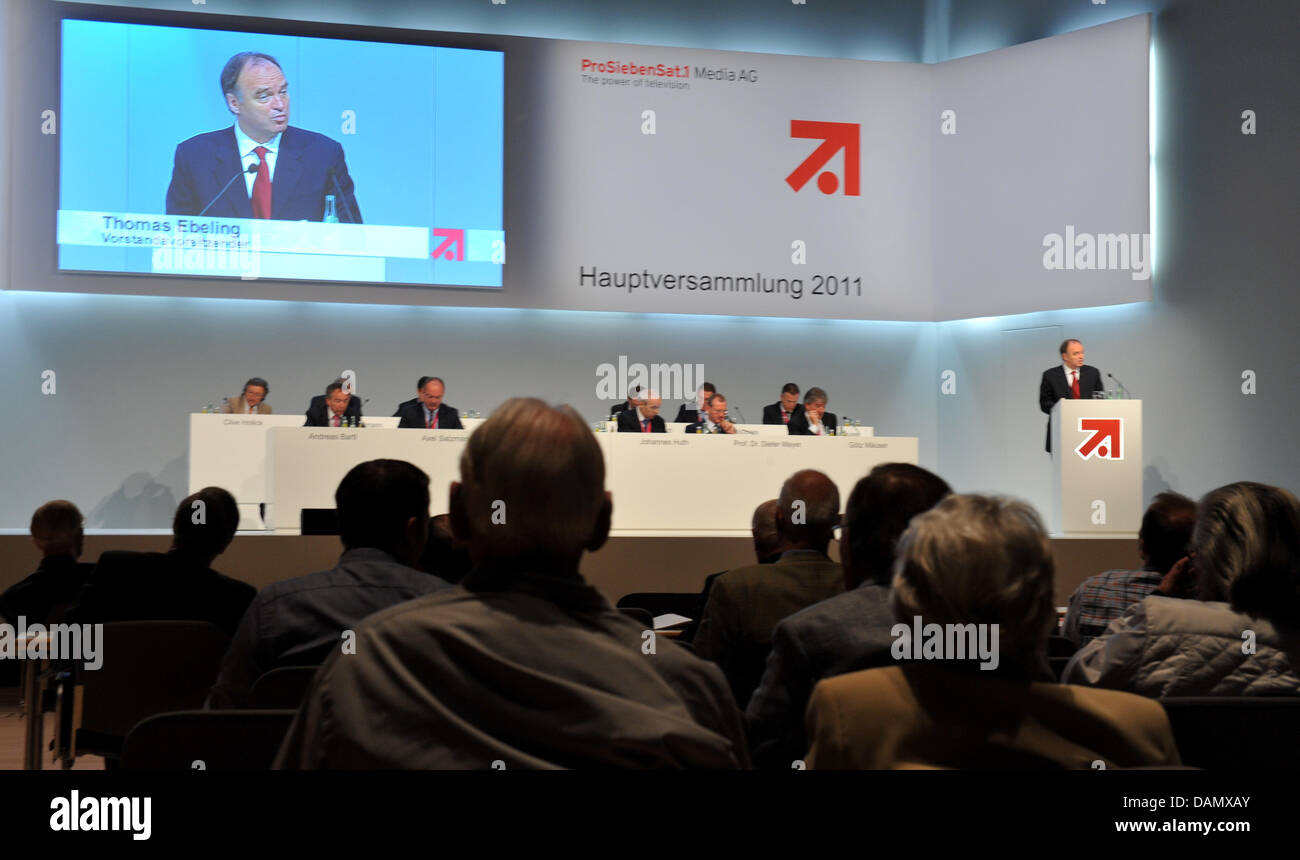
[[383, 508], [813, 419], [978, 568], [178, 585], [45, 596], [524, 664], [1162, 541], [251, 401], [768, 546], [849, 631], [444, 556], [745, 604], [1239, 633]]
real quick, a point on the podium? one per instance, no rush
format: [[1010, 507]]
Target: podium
[[1096, 468]]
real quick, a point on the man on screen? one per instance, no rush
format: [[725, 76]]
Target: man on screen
[[1071, 379], [263, 167]]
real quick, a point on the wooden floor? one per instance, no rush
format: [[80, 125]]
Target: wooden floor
[[12, 733]]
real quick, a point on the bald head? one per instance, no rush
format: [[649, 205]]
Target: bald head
[[807, 509], [532, 487]]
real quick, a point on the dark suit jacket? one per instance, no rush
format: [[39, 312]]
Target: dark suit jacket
[[629, 421], [772, 413], [299, 622], [206, 162], [686, 416], [412, 415], [1054, 387], [619, 408], [798, 425], [157, 586], [318, 413], [844, 633], [695, 427], [745, 604], [56, 583]]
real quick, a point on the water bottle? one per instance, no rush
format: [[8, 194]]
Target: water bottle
[[210, 409], [331, 217]]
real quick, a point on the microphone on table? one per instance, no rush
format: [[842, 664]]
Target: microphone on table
[[742, 416], [343, 198], [1121, 386], [252, 168]]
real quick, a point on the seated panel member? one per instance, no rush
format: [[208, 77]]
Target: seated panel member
[[634, 400], [645, 418], [262, 167], [813, 420], [333, 408], [251, 401], [691, 416], [784, 409], [715, 417], [427, 411]]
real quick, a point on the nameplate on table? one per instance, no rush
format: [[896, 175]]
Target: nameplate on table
[[244, 422], [346, 437]]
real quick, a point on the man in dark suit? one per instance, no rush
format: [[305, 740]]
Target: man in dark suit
[[334, 408], [262, 167], [633, 400], [686, 415], [383, 510], [849, 631], [745, 604], [784, 409], [813, 419], [1071, 379], [714, 418], [643, 419], [178, 585], [45, 595], [427, 411]]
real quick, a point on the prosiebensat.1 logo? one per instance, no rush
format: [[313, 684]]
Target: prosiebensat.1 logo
[[131, 814]]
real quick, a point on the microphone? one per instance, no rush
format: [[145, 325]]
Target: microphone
[[1121, 386], [343, 198], [742, 416], [252, 168]]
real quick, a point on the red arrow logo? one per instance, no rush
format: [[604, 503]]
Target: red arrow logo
[[1105, 441], [836, 136], [453, 245]]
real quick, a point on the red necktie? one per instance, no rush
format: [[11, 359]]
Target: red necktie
[[785, 417], [1074, 383], [336, 420], [433, 422], [262, 186]]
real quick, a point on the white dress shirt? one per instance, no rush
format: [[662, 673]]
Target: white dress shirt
[[246, 154]]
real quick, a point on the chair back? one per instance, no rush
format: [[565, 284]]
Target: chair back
[[1236, 732], [206, 740], [148, 667], [285, 687]]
